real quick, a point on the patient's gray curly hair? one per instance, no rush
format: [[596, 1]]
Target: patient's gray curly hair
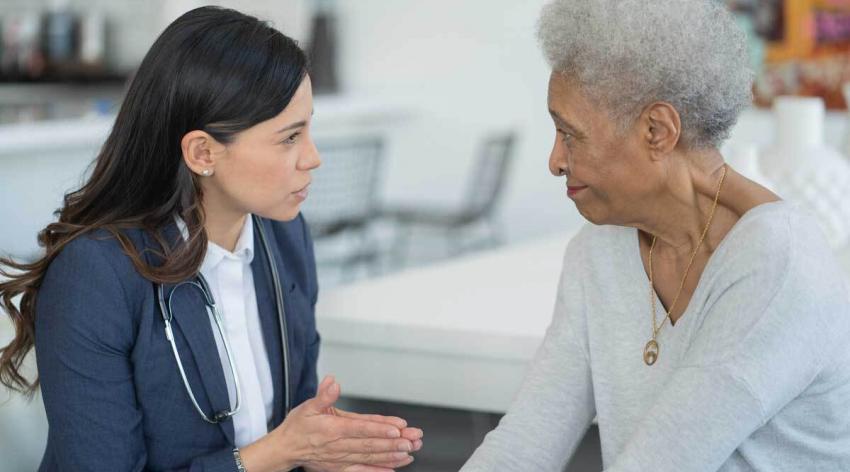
[[626, 54]]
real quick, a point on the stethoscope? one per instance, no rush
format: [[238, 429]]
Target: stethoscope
[[212, 309]]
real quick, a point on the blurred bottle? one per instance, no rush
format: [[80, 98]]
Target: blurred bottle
[[21, 46], [60, 37], [845, 90], [322, 49], [92, 39]]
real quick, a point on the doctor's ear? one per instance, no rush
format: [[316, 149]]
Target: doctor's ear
[[199, 152]]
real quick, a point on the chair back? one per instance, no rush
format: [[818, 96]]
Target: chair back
[[344, 190], [487, 180]]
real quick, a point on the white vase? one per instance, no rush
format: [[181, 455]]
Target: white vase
[[845, 90], [805, 170]]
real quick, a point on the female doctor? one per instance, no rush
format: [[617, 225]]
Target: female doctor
[[173, 311]]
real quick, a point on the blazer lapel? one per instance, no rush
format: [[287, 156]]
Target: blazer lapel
[[193, 321], [267, 310]]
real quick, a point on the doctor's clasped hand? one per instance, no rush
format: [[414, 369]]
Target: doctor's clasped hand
[[321, 438]]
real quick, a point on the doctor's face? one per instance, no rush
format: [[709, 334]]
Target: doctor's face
[[265, 170]]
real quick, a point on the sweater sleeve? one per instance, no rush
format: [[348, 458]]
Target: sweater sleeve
[[554, 407]]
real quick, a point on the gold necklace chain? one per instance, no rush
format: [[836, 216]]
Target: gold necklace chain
[[652, 350]]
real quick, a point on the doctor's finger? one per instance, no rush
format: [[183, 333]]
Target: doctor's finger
[[396, 464], [350, 428], [366, 468], [412, 433], [381, 459], [326, 382], [393, 420], [372, 445]]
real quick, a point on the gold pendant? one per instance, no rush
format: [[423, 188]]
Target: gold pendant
[[650, 352]]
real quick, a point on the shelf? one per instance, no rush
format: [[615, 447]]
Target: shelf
[[76, 79]]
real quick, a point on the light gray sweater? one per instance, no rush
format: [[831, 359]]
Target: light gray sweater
[[754, 376]]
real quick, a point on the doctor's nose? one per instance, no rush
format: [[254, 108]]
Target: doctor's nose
[[311, 160]]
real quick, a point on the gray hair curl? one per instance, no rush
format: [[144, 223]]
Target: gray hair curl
[[626, 54]]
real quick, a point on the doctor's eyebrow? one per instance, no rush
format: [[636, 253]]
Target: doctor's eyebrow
[[297, 124]]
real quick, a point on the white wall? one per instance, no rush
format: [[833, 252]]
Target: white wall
[[463, 67], [471, 66]]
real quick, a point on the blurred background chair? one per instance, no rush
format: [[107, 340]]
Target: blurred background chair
[[484, 190], [343, 202]]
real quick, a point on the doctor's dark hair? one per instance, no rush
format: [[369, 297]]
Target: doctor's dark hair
[[212, 69]]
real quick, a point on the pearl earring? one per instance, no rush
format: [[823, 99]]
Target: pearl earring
[[207, 172]]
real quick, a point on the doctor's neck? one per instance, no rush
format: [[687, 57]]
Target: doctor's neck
[[223, 226]]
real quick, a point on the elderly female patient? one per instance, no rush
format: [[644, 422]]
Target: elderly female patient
[[701, 319]]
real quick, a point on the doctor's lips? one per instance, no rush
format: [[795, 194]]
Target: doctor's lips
[[574, 189], [302, 194]]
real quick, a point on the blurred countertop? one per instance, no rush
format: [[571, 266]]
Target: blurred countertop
[[333, 114]]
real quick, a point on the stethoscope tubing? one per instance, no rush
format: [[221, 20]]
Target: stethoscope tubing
[[212, 309]]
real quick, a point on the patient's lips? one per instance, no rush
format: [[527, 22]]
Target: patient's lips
[[573, 190]]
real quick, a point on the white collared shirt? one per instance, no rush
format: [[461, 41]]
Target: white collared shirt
[[232, 284]]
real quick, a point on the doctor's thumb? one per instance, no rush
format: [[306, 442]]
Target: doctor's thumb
[[326, 397]]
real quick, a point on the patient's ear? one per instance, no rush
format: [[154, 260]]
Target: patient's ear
[[661, 127]]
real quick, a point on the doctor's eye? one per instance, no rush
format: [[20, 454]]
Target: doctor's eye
[[292, 139]]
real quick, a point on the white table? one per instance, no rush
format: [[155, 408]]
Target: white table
[[457, 334]]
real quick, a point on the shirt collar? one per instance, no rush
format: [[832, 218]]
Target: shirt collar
[[244, 250]]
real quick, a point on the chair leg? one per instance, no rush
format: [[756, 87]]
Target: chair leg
[[495, 233], [454, 241], [399, 251], [371, 254], [349, 263]]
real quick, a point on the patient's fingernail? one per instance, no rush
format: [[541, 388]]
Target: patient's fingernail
[[405, 446], [393, 433], [400, 456]]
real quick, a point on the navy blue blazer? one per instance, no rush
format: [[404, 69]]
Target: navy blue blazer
[[113, 394]]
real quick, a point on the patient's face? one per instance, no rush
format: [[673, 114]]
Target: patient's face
[[603, 164]]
